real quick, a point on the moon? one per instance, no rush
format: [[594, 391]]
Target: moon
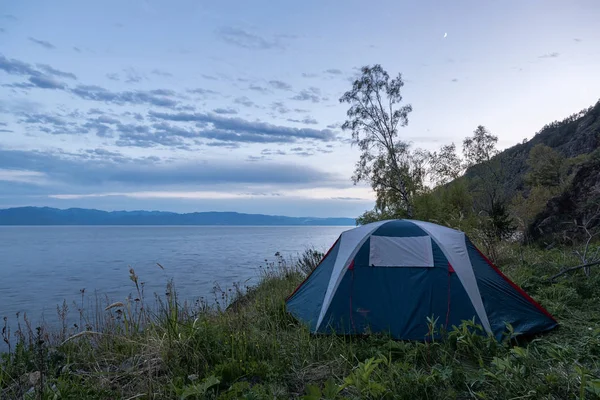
[[445, 34]]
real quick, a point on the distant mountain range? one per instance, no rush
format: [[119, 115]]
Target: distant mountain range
[[80, 216]]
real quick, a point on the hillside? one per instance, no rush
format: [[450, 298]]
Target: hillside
[[79, 216], [574, 136]]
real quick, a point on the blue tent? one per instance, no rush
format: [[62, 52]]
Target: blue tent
[[389, 276]]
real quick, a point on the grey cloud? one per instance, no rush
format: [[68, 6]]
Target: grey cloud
[[333, 126], [550, 55], [95, 111], [46, 82], [244, 101], [241, 38], [2, 30], [280, 85], [269, 152], [16, 67], [256, 158], [333, 71], [313, 94], [42, 43], [5, 130], [240, 130], [43, 119], [259, 89], [577, 40], [97, 93], [455, 80], [113, 76], [114, 171], [3, 124], [201, 91], [280, 107], [348, 198], [223, 144], [10, 17], [308, 75], [306, 121], [159, 72], [77, 49], [53, 71], [225, 111], [101, 129], [132, 76], [210, 77]]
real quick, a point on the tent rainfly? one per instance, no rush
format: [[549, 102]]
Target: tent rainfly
[[389, 276]]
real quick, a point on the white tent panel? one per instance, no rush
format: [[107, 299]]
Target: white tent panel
[[388, 251]]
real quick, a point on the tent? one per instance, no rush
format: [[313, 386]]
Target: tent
[[389, 276]]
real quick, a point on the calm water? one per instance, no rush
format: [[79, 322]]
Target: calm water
[[42, 266]]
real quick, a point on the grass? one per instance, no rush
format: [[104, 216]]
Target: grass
[[245, 346]]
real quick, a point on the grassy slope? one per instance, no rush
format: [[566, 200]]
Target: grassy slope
[[257, 351]]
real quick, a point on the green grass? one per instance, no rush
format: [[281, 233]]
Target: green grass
[[255, 350]]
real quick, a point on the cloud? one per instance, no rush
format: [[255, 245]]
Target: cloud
[[10, 17], [307, 121], [209, 77], [259, 89], [223, 144], [280, 85], [269, 152], [241, 38], [152, 97], [132, 76], [200, 91], [244, 101], [312, 94], [46, 82], [578, 40], [101, 170], [225, 111], [2, 30], [113, 76], [239, 130], [348, 198], [164, 74], [333, 71], [55, 72], [43, 80], [280, 107], [550, 55], [42, 43], [309, 75], [16, 67], [77, 49], [454, 80]]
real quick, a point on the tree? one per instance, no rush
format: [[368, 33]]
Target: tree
[[545, 166], [374, 117], [446, 165], [480, 147]]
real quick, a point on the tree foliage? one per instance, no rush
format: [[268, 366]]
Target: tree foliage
[[480, 147], [374, 117], [545, 165]]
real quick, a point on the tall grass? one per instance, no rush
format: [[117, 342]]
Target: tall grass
[[243, 344]]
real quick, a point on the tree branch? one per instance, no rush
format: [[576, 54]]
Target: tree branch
[[564, 271]]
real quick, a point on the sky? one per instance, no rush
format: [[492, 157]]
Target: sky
[[234, 105]]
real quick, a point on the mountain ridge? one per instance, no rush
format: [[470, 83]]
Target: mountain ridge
[[30, 215]]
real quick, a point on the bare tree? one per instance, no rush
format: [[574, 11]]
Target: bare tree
[[374, 117]]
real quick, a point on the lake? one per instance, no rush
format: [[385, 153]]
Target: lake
[[44, 265]]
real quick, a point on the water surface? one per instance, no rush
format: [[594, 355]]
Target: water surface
[[44, 265]]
